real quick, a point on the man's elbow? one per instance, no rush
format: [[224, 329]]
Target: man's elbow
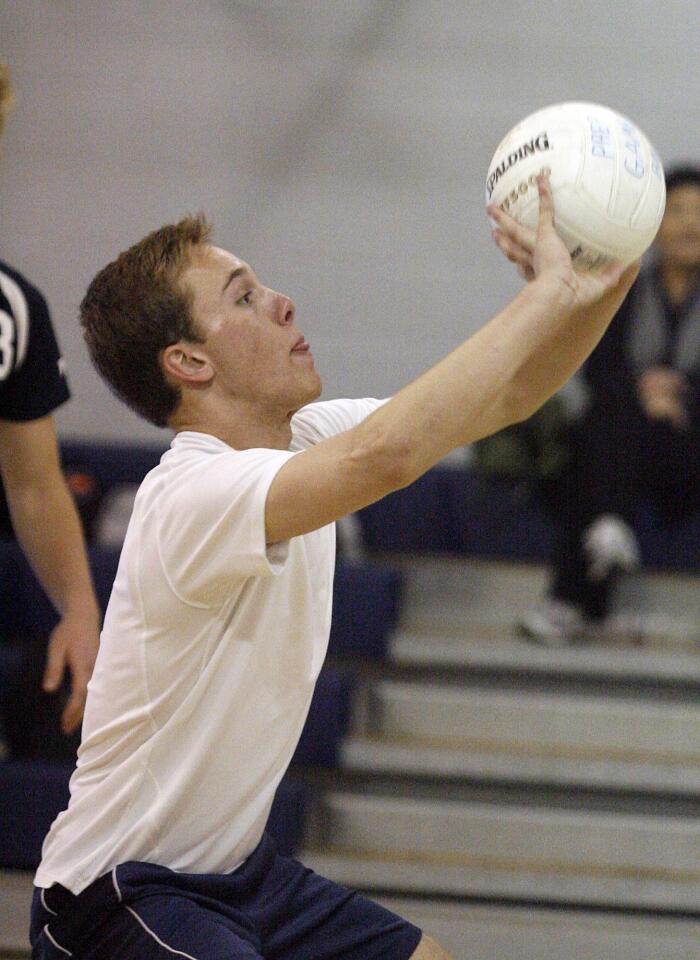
[[519, 402]]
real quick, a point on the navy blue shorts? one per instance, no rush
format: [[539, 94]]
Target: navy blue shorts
[[271, 907]]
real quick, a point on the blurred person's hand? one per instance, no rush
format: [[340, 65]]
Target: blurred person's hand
[[661, 392]]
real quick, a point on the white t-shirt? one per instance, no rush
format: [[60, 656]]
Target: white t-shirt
[[211, 647]]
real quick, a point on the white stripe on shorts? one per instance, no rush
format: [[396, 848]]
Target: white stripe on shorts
[[179, 953], [53, 941], [116, 884], [45, 904]]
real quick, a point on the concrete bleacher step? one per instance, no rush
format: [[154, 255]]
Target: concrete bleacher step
[[15, 899], [411, 758], [519, 773], [585, 724], [429, 729], [510, 852], [478, 649], [490, 932], [443, 594]]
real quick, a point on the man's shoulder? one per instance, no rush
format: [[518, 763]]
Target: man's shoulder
[[191, 455], [24, 301], [32, 379], [30, 291], [324, 419]]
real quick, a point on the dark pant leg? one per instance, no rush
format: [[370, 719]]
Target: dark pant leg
[[620, 459], [602, 477]]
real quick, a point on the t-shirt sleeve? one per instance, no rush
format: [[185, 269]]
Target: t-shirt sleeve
[[32, 381], [319, 421], [211, 524]]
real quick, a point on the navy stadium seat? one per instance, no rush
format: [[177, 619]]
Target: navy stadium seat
[[448, 510], [452, 510], [366, 601], [328, 719], [112, 463], [33, 794]]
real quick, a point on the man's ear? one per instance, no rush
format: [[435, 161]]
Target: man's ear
[[186, 363]]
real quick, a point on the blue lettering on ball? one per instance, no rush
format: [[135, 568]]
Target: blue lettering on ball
[[601, 141], [634, 159]]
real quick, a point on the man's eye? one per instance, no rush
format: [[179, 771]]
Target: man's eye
[[246, 299]]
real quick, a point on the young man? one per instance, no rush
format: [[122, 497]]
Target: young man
[[44, 515], [219, 618]]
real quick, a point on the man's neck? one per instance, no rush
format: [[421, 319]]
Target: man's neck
[[239, 428]]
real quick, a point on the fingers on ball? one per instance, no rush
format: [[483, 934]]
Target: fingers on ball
[[522, 236], [545, 196], [514, 251]]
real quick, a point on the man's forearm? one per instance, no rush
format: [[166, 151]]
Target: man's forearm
[[497, 377], [48, 528]]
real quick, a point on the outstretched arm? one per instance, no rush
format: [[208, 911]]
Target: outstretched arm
[[48, 527], [499, 376]]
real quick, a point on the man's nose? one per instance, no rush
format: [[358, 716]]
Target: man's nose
[[285, 309]]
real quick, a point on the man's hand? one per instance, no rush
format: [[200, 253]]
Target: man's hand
[[542, 254], [72, 646]]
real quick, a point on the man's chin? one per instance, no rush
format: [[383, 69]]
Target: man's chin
[[313, 393], [318, 389]]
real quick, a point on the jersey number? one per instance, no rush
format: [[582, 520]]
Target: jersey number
[[7, 344]]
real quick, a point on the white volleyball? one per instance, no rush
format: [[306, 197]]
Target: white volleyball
[[607, 180]]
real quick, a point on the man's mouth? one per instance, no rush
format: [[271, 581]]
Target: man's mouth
[[301, 346]]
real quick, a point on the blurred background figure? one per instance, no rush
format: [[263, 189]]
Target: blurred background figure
[[639, 434], [41, 507]]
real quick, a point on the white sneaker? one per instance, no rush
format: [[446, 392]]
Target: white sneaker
[[609, 543], [642, 626], [555, 623], [350, 543]]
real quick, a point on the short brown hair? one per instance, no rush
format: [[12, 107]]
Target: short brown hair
[[134, 308], [6, 95]]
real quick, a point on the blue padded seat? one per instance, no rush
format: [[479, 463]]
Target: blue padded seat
[[366, 601], [328, 719], [25, 610], [452, 510], [32, 795], [112, 463]]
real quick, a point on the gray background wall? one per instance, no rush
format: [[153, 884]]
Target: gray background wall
[[339, 146]]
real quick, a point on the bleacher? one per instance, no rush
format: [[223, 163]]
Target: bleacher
[[451, 510], [404, 782]]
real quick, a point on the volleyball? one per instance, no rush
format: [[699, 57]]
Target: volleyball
[[606, 178]]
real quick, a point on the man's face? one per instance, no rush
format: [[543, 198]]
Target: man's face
[[678, 239], [249, 331]]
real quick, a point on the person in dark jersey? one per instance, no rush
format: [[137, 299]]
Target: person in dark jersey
[[42, 509]]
